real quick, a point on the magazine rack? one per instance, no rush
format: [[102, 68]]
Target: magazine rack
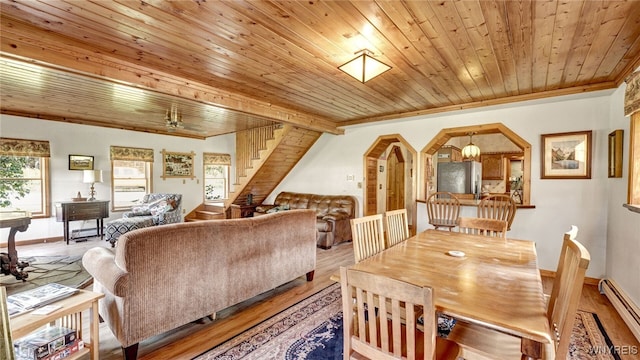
[[68, 315]]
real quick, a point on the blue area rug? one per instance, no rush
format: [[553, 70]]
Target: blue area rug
[[312, 330]]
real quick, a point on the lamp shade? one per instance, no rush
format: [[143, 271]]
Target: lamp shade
[[364, 67], [470, 151], [92, 176]]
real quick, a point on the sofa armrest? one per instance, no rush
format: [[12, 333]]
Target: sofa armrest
[[335, 216], [264, 208], [101, 264]]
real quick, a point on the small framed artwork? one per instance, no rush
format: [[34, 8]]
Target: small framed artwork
[[80, 162], [177, 164], [615, 154], [566, 155]]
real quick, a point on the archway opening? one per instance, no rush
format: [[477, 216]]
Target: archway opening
[[428, 152]]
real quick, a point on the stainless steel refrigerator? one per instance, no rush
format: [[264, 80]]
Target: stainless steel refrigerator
[[464, 177]]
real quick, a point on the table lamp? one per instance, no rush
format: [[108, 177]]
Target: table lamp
[[92, 177]]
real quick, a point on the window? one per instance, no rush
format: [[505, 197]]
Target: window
[[132, 174], [632, 109], [24, 176], [634, 161], [216, 177]]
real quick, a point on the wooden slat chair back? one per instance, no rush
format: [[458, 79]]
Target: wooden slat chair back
[[478, 341], [567, 289], [397, 226], [501, 207], [479, 226], [368, 236], [443, 209], [396, 336]]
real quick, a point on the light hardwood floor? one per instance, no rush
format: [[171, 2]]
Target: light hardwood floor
[[193, 339]]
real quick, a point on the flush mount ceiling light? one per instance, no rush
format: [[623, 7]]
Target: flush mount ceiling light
[[173, 118], [364, 67], [470, 151]]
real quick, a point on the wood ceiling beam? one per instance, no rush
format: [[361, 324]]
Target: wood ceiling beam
[[477, 104], [18, 41]]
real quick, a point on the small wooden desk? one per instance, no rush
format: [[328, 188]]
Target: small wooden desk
[[70, 316], [496, 284], [82, 210]]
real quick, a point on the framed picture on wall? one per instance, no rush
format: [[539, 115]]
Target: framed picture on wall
[[566, 155], [80, 162], [177, 164], [615, 154]]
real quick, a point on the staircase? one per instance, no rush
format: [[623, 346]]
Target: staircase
[[264, 156]]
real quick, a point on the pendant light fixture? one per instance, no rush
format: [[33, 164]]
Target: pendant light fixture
[[364, 67], [470, 151]]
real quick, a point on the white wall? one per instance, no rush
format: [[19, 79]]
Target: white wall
[[65, 139], [558, 203], [623, 235]]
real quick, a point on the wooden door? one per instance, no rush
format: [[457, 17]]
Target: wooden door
[[371, 186], [395, 179]]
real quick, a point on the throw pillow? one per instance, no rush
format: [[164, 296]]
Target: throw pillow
[[141, 210], [158, 207]]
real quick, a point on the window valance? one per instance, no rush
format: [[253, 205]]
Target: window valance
[[131, 153], [20, 147], [632, 94], [216, 159]]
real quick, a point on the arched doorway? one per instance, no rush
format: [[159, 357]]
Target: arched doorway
[[373, 182], [395, 179], [496, 128]]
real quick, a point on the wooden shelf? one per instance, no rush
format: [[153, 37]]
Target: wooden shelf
[[70, 316]]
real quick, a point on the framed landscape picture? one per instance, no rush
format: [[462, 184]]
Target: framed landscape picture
[[566, 155], [80, 162], [177, 164]]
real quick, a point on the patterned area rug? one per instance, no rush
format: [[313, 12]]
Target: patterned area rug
[[312, 330], [65, 270]]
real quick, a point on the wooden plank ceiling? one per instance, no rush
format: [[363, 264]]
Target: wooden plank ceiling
[[233, 65]]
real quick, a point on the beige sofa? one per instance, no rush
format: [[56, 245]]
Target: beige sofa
[[159, 278], [333, 213]]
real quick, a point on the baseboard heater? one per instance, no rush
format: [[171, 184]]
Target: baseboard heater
[[625, 307]]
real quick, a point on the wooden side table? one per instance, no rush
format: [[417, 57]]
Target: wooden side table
[[69, 316], [242, 211], [82, 210]]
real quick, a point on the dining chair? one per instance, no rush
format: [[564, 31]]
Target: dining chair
[[480, 226], [368, 236], [396, 336], [561, 311], [501, 207], [397, 226], [443, 209]]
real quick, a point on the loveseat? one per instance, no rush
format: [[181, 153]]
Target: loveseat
[[155, 209], [333, 213], [159, 278]]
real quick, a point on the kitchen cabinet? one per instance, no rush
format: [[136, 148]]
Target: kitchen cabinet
[[492, 166], [449, 153]]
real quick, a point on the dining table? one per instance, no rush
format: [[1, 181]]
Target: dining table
[[491, 281]]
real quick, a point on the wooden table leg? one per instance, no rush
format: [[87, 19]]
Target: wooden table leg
[[15, 267], [531, 350]]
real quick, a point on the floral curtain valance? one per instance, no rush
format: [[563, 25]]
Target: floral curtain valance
[[216, 159], [131, 153], [632, 94], [20, 147]]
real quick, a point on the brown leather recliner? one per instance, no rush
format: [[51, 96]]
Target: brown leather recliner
[[333, 214]]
